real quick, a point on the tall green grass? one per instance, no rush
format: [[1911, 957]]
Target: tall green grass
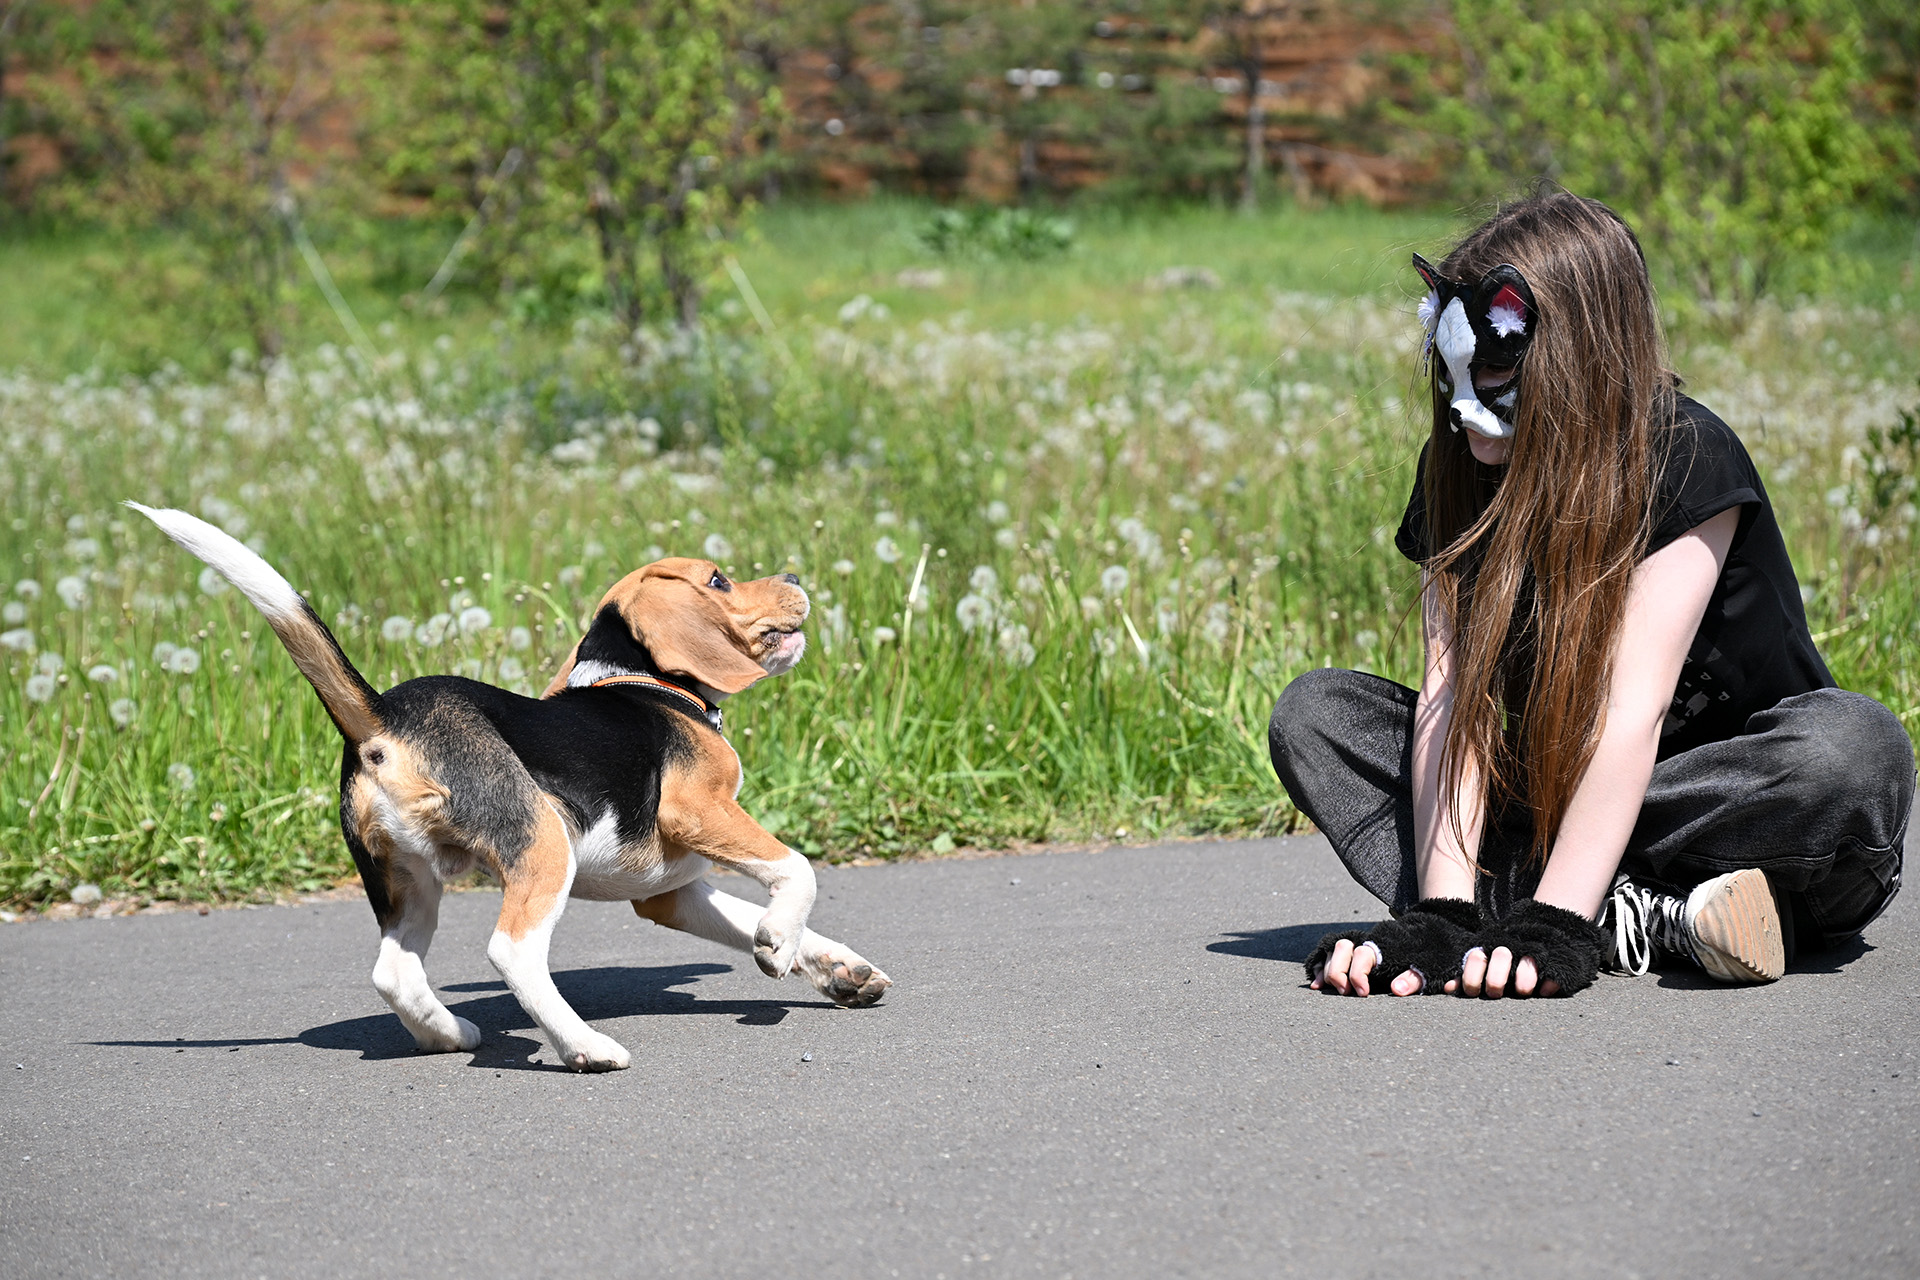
[[1132, 515]]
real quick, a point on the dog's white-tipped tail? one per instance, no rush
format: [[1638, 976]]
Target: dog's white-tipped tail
[[348, 698]]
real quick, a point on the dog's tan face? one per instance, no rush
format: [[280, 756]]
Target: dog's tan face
[[723, 633]]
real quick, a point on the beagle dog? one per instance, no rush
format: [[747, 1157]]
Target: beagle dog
[[616, 785]]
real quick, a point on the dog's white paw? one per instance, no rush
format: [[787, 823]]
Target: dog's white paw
[[847, 980], [775, 950], [464, 1037], [594, 1052]]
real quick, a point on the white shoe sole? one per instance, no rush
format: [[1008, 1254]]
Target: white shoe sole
[[1736, 928]]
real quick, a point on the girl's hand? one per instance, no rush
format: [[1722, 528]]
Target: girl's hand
[[1348, 972], [1349, 968], [1487, 975]]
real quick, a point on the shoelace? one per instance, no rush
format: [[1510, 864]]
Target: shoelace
[[1645, 922]]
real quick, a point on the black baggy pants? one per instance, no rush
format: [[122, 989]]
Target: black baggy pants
[[1816, 793]]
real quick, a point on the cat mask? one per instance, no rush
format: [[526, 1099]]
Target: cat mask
[[1488, 325]]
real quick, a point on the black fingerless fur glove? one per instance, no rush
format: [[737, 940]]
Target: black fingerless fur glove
[[1429, 938], [1566, 947]]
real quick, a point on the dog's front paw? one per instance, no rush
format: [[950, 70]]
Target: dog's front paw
[[774, 950], [592, 1051], [464, 1037], [851, 982]]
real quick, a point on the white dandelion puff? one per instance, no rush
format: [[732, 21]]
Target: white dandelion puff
[[396, 629], [843, 567], [41, 687], [49, 663], [123, 711], [27, 589], [183, 661], [718, 549], [14, 613], [71, 590], [512, 669], [571, 575], [101, 673], [20, 639], [886, 519], [1218, 624], [474, 620], [180, 774], [211, 583], [998, 512], [1016, 646], [973, 612], [520, 638], [1114, 579], [162, 652], [885, 635], [984, 580], [1091, 608], [1006, 539], [1029, 584], [433, 630], [887, 550]]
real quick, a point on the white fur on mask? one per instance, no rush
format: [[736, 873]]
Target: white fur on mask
[[1453, 339]]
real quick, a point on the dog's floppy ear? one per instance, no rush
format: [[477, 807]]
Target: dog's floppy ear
[[688, 633]]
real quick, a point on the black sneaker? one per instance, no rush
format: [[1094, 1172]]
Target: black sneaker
[[1730, 926]]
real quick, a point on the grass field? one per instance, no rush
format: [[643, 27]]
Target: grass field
[[1067, 534]]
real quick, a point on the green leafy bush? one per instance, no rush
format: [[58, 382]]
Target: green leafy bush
[[996, 233]]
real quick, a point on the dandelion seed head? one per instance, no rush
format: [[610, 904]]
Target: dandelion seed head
[[183, 661], [718, 549], [887, 550], [843, 567], [1029, 584], [998, 512], [101, 673], [84, 548], [512, 669], [886, 519], [49, 663], [180, 774], [40, 688], [20, 640], [1016, 645], [1114, 579], [1367, 641], [162, 652], [27, 589], [123, 711], [519, 638], [984, 580], [973, 612], [474, 620], [885, 635], [396, 629], [571, 575], [13, 613], [211, 583], [433, 630], [71, 590], [1006, 539]]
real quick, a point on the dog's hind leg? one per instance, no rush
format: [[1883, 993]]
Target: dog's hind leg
[[836, 971], [536, 881], [412, 898]]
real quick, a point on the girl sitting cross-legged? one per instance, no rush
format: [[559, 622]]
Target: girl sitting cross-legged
[[1626, 749]]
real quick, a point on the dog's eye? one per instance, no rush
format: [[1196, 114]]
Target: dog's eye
[[719, 582]]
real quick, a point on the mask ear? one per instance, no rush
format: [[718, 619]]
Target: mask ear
[[1427, 272], [689, 634]]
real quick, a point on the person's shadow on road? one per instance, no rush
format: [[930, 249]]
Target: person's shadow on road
[[1289, 942], [595, 994]]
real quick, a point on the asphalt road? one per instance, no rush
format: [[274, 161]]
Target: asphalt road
[[1096, 1064]]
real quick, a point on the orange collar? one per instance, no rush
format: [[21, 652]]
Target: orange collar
[[708, 712]]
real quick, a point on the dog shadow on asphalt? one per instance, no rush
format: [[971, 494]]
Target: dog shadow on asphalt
[[629, 991]]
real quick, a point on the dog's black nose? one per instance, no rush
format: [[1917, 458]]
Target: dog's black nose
[[793, 578]]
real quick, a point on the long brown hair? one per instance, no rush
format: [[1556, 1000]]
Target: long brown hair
[[1531, 567]]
